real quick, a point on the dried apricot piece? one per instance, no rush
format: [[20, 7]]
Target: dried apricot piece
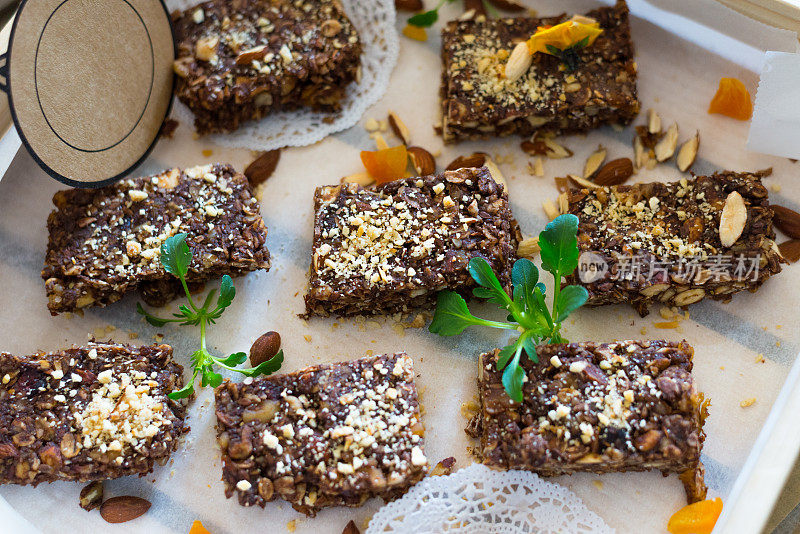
[[732, 100], [696, 518], [198, 528], [415, 32], [386, 165]]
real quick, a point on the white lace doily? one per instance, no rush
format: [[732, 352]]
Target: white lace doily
[[478, 500], [374, 21]]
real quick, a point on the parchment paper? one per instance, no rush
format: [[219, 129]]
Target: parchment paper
[[677, 78]]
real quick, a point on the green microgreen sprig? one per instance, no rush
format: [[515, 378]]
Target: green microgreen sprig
[[569, 56], [176, 258], [527, 309], [428, 18]]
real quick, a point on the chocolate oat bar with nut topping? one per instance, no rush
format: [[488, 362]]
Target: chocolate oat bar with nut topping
[[479, 102], [674, 243], [328, 435], [88, 413], [392, 248], [106, 242], [239, 60], [598, 407]]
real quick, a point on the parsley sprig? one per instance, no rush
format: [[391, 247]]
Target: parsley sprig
[[527, 309], [176, 258]]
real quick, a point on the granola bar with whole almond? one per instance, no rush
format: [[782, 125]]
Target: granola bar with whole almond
[[106, 242], [239, 60], [392, 248], [675, 243], [598, 407], [478, 101], [328, 435], [95, 412]]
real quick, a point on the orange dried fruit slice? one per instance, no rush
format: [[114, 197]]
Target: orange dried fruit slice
[[386, 165], [415, 32], [198, 528], [696, 518], [732, 100]]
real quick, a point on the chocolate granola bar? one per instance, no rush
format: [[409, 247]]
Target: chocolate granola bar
[[327, 435], [663, 242], [239, 60], [479, 102], [392, 248], [106, 242], [88, 413], [599, 407]]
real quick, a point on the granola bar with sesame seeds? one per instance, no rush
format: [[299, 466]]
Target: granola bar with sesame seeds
[[95, 412], [239, 60], [106, 242], [479, 102], [597, 407], [328, 435], [393, 247], [662, 242]]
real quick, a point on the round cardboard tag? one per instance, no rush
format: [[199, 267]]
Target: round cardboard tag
[[89, 84]]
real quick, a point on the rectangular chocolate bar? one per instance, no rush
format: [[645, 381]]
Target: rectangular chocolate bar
[[392, 248], [106, 242], [478, 101], [327, 435], [674, 243], [599, 407], [239, 60], [88, 413]]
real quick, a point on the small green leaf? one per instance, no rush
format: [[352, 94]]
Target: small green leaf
[[484, 276], [583, 43], [184, 392], [424, 20], [505, 354], [226, 292], [237, 358], [529, 344], [553, 50], [452, 315], [570, 299], [512, 379], [524, 276], [176, 256], [559, 246], [152, 319], [266, 368]]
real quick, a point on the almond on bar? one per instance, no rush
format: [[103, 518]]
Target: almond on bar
[[107, 242], [88, 413], [328, 435]]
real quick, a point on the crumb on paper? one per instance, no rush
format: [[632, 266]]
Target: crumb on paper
[[110, 328], [132, 335], [469, 408], [643, 331], [760, 358], [370, 352], [598, 484], [291, 526], [158, 338], [747, 402], [307, 338], [68, 315], [207, 152], [776, 188], [399, 329]]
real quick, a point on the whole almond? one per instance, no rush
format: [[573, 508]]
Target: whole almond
[[399, 128], [478, 159], [615, 172], [265, 347], [733, 219], [787, 221], [253, 54], [518, 62], [408, 5], [421, 160], [790, 250], [123, 508], [262, 167]]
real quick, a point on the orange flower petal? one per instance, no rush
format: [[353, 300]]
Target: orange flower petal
[[732, 100], [563, 35], [386, 165], [415, 32], [696, 518], [198, 528]]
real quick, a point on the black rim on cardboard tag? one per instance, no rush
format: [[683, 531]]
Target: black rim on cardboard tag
[[89, 84]]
